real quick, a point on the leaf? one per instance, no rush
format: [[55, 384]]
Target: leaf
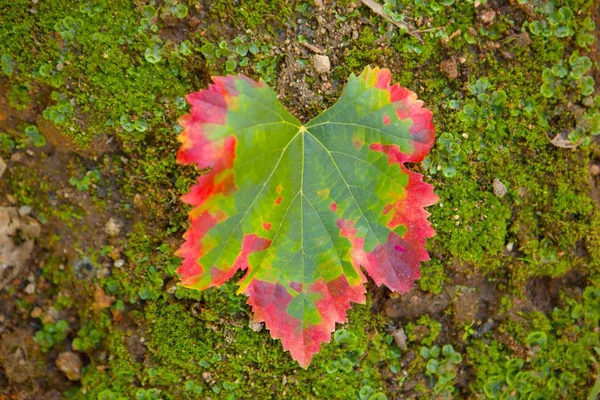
[[301, 208]]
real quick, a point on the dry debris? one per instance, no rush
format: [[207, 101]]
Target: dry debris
[[17, 235]]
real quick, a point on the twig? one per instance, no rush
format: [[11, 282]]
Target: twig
[[427, 30], [313, 48], [378, 9]]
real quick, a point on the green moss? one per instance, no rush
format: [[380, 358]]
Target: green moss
[[221, 348], [261, 14], [433, 277], [425, 331], [363, 52], [98, 71], [558, 348]]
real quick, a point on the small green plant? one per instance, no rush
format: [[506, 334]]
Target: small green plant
[[448, 158], [368, 393], [83, 184], [147, 394], [91, 333], [352, 349], [18, 96], [33, 137], [185, 48], [427, 336], [6, 142], [563, 77], [93, 7], [152, 289], [441, 370], [558, 22], [239, 53], [148, 21], [193, 388], [468, 330], [395, 9], [108, 395], [595, 392], [6, 63], [560, 75], [67, 28], [176, 9], [579, 65], [61, 112], [557, 366], [51, 335], [153, 54], [129, 124], [46, 73], [481, 110], [585, 37]]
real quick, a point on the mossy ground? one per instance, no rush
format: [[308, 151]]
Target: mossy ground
[[104, 80]]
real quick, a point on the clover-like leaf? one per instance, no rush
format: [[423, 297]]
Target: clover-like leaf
[[301, 208]]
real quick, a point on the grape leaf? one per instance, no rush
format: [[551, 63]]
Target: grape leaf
[[301, 208]]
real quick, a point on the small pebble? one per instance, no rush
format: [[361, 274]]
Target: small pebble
[[488, 16], [400, 338], [36, 313], [51, 316], [30, 288], [171, 287], [119, 263], [70, 363], [256, 326], [24, 210], [102, 273], [16, 157], [112, 227], [594, 170], [321, 63], [499, 188]]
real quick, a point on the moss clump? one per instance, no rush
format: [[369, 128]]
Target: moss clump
[[104, 83], [559, 350]]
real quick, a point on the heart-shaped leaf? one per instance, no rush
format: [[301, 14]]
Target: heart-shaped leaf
[[301, 208]]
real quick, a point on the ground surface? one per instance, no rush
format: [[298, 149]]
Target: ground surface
[[90, 92]]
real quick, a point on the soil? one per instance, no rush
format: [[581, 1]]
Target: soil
[[45, 256]]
